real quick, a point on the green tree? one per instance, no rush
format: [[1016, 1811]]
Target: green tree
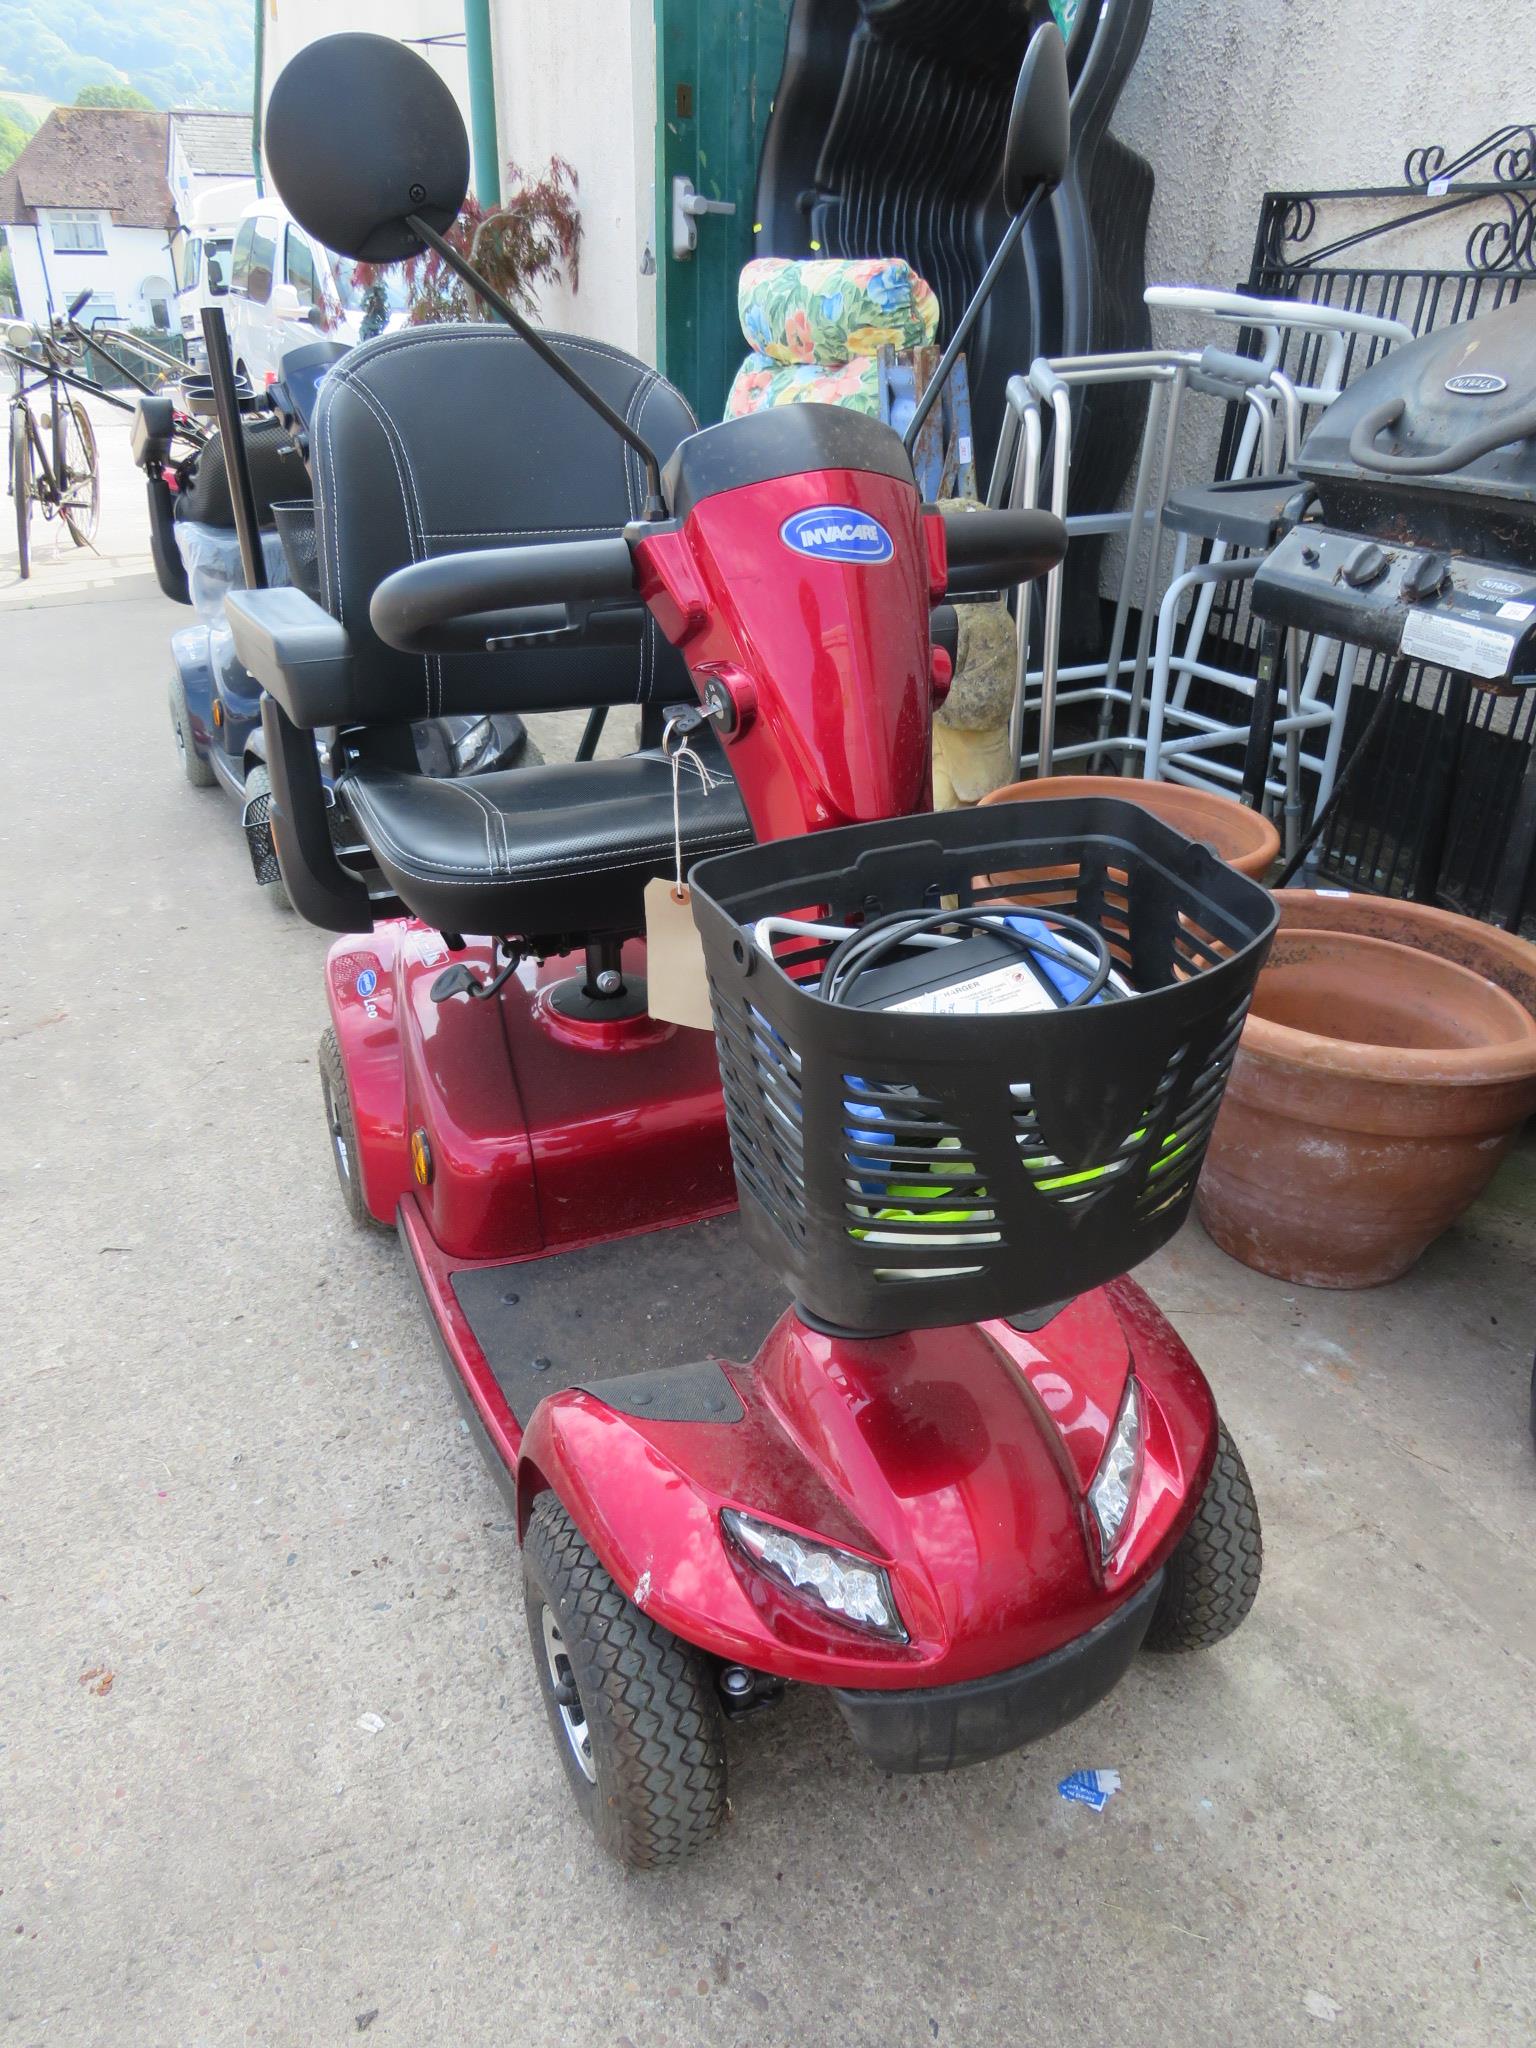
[[13, 138], [112, 96]]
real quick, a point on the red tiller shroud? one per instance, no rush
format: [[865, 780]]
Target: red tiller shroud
[[834, 656]]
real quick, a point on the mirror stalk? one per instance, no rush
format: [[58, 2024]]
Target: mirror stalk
[[961, 335], [461, 266]]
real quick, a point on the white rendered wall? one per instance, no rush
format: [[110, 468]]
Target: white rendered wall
[[579, 81], [291, 26], [1228, 101]]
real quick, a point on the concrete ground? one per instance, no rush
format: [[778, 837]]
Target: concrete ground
[[273, 1767]]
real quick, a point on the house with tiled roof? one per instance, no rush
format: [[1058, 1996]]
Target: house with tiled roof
[[208, 152], [86, 207]]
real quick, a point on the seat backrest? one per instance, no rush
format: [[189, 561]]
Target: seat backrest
[[442, 439]]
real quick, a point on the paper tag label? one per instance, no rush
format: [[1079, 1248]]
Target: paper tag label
[[1516, 611], [1437, 188], [1476, 650], [998, 992], [676, 985]]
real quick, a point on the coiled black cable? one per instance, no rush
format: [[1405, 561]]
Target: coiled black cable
[[884, 935]]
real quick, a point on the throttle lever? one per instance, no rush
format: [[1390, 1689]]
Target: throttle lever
[[579, 618]]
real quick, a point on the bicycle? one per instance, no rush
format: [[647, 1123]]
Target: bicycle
[[53, 458]]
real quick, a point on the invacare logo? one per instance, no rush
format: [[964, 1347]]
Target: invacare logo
[[837, 533]]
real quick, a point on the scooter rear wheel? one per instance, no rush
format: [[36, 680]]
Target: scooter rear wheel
[[632, 1708], [1212, 1578], [193, 766], [342, 1126]]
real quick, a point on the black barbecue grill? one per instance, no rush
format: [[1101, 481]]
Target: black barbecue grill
[[1422, 541]]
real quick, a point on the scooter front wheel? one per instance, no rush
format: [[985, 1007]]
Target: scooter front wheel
[[258, 784], [632, 1708], [1212, 1578]]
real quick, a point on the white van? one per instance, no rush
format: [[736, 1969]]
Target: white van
[[280, 278], [203, 260]]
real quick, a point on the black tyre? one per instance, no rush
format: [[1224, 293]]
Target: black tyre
[[80, 485], [259, 783], [1212, 1578], [197, 771], [633, 1710], [339, 1122], [21, 489]]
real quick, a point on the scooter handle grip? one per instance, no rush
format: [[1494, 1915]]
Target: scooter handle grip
[[988, 550], [415, 607]]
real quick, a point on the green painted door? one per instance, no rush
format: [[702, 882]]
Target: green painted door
[[717, 64]]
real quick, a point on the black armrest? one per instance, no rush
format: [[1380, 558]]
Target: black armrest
[[295, 650]]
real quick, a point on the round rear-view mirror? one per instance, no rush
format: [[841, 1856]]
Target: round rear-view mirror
[[359, 133], [1040, 124]]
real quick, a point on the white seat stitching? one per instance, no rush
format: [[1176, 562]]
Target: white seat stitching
[[654, 847], [432, 663], [387, 428], [636, 854]]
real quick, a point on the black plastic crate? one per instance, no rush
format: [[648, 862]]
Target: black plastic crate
[[906, 1171]]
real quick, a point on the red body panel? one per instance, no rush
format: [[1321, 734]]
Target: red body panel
[[958, 1458], [544, 1134]]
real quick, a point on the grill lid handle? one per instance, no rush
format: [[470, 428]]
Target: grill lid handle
[[1363, 450]]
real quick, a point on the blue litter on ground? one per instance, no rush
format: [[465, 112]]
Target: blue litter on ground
[[1090, 1788]]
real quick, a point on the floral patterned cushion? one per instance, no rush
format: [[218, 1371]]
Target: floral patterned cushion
[[761, 382], [832, 310]]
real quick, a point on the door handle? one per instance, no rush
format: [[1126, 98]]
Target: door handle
[[687, 205]]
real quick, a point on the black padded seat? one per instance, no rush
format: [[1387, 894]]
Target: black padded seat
[[540, 852]]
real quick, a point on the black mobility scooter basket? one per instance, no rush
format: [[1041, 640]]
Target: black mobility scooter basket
[[295, 522], [904, 1170]]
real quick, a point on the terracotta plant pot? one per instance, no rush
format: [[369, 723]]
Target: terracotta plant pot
[[1244, 839], [1497, 956], [1375, 1090]]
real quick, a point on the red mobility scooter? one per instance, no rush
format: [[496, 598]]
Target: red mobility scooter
[[895, 1427]]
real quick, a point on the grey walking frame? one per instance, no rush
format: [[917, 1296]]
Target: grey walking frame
[[1120, 681]]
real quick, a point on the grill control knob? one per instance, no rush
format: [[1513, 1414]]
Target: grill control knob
[[1366, 565], [1425, 578]]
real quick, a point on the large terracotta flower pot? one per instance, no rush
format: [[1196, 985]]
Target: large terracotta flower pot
[[1244, 839], [1497, 956], [1375, 1090]]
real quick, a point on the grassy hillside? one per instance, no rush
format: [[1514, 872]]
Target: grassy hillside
[[181, 53], [15, 127]]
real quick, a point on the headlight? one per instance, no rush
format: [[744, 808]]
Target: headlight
[[834, 1580], [1114, 1484], [471, 747]]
